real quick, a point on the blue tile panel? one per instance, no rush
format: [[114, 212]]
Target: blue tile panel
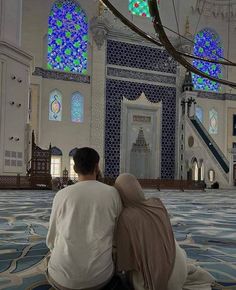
[[139, 56], [115, 90], [128, 55]]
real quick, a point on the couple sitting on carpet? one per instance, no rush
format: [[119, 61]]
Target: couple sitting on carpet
[[88, 219]]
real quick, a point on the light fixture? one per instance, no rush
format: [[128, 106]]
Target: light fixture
[[164, 41]]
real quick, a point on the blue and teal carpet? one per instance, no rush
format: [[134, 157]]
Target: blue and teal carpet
[[204, 224]]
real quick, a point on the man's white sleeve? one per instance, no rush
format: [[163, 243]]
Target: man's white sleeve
[[52, 230]]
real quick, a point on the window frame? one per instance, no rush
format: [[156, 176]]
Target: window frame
[[53, 166]]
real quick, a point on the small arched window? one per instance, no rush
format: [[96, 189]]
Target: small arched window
[[199, 113], [77, 108], [213, 122], [211, 175], [55, 106], [67, 37], [207, 44]]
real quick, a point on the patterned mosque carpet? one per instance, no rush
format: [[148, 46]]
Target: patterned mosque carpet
[[204, 224]]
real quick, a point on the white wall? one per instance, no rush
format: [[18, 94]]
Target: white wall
[[65, 134]]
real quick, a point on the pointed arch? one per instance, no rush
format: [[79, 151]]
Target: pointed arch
[[207, 45], [77, 108], [55, 106], [55, 151], [67, 37]]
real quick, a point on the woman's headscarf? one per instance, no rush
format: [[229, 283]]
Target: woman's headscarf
[[145, 240]]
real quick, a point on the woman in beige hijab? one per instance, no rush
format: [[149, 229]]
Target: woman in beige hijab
[[146, 247]]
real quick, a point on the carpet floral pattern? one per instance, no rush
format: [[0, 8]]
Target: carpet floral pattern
[[204, 224]]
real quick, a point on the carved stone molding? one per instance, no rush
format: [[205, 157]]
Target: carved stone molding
[[99, 29], [60, 75], [216, 8]]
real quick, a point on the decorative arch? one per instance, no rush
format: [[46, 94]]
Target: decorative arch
[[67, 37], [55, 106], [213, 121], [73, 151], [55, 151], [207, 45], [77, 108], [199, 113]]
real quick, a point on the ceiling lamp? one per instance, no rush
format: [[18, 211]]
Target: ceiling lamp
[[163, 41]]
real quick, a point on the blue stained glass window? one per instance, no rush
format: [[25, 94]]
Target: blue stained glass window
[[67, 37], [55, 106], [208, 45], [199, 113], [213, 122], [77, 108]]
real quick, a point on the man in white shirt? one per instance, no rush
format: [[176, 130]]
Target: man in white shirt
[[81, 229]]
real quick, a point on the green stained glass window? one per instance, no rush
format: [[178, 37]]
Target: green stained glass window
[[139, 7], [67, 37], [207, 45]]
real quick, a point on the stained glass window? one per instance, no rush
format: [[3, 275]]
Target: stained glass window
[[55, 106], [67, 37], [213, 122], [199, 113], [140, 7], [77, 108], [208, 45]]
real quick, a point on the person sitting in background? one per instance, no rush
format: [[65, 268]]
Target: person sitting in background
[[146, 248], [81, 229]]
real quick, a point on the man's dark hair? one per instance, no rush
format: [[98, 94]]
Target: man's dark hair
[[85, 160]]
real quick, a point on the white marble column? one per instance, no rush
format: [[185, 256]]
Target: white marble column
[[15, 71], [10, 21]]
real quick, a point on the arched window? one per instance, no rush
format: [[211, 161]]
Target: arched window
[[73, 175], [77, 108], [56, 155], [67, 37], [213, 122], [207, 44], [194, 169], [55, 106], [199, 113], [211, 175]]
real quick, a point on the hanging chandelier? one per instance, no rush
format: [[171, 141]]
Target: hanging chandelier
[[183, 58]]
